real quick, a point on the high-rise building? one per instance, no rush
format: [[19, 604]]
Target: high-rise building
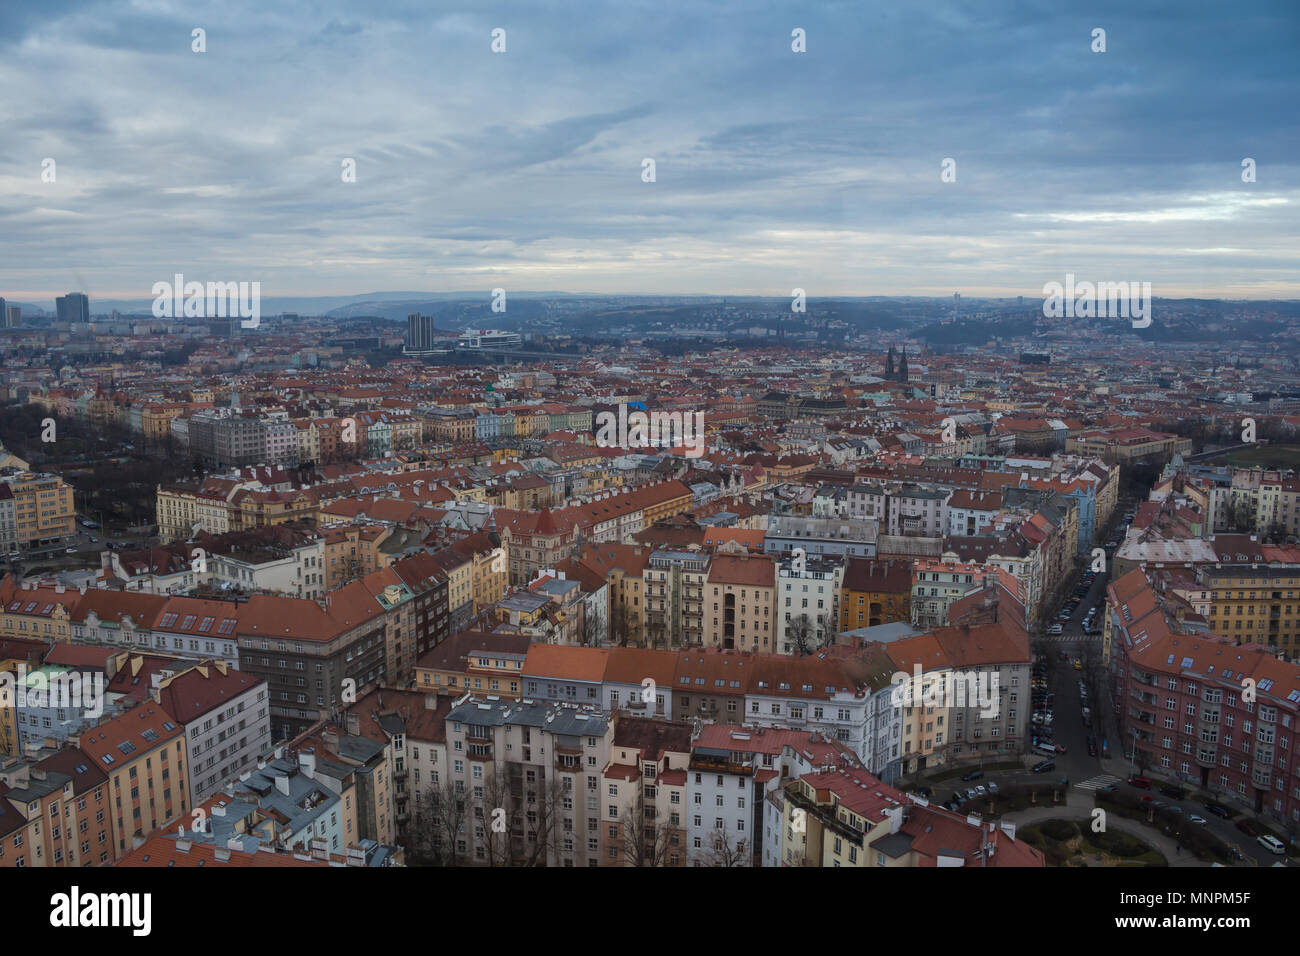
[[11, 316], [73, 307], [419, 333]]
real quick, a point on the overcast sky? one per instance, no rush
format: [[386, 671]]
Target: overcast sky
[[775, 169]]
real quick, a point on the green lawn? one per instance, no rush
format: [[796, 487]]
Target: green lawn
[[1263, 456]]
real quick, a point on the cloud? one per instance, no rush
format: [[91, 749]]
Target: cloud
[[774, 169]]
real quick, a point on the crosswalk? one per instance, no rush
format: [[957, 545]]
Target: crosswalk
[[1068, 638], [1097, 782]]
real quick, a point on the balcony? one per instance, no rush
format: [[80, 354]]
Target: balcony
[[1262, 777]]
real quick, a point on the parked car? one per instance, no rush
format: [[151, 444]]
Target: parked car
[[1142, 783], [1219, 810], [1043, 766], [970, 794], [1169, 790], [972, 774], [993, 787], [1248, 827], [1272, 844], [981, 791], [1060, 748], [1197, 819]]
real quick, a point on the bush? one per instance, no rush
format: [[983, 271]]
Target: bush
[[1060, 830]]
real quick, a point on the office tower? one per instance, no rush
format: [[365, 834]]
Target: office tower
[[4, 314], [419, 332], [73, 307], [13, 317]]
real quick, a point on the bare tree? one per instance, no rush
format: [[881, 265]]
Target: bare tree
[[725, 852], [646, 840], [801, 634], [438, 825]]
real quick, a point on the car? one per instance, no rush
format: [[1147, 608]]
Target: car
[[981, 791], [94, 541], [1248, 827], [1109, 788], [1063, 656], [1272, 844], [1060, 748], [1219, 810], [1043, 766], [1194, 818], [1092, 746], [1171, 791], [1142, 783], [972, 775], [970, 794], [993, 787], [70, 551]]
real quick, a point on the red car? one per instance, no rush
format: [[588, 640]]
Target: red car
[[1060, 748], [1142, 783]]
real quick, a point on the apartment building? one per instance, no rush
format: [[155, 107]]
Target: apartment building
[[532, 774], [674, 597], [644, 798], [39, 510], [847, 818], [143, 754], [732, 769], [225, 717], [807, 603], [740, 598], [838, 537], [874, 593], [1254, 604]]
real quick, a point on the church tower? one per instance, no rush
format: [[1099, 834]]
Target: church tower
[[889, 365]]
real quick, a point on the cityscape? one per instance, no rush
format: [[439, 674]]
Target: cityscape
[[572, 471]]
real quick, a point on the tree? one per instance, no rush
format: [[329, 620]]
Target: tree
[[646, 840], [438, 824], [801, 635], [725, 852]]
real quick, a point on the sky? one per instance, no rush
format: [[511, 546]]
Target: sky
[[774, 169]]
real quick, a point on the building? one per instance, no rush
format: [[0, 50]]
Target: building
[[807, 603], [875, 593], [740, 598], [839, 537], [143, 755], [531, 773], [419, 334], [73, 307], [225, 717]]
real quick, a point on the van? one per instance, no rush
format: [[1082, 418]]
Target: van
[[1272, 844], [1047, 750]]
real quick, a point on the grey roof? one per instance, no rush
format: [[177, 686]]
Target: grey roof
[[563, 719]]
